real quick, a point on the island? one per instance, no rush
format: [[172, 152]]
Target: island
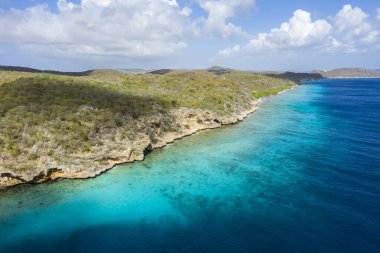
[[79, 124], [349, 73]]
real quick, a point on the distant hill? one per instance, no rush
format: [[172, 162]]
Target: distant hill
[[377, 71], [31, 70], [132, 71], [216, 70], [161, 71], [297, 77], [220, 71], [20, 69], [349, 73]]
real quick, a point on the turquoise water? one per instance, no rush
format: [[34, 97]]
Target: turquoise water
[[300, 175]]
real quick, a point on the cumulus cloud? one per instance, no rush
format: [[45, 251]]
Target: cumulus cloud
[[353, 29], [349, 31], [63, 5], [219, 14], [299, 31], [186, 11], [230, 51], [122, 28], [132, 28]]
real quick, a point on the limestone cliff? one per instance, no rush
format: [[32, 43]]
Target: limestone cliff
[[116, 151]]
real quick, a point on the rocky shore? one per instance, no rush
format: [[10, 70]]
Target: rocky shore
[[119, 151]]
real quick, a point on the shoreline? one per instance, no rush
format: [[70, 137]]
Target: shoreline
[[54, 174]]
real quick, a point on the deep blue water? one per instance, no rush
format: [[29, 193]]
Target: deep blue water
[[300, 175]]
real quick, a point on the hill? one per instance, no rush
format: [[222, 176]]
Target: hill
[[297, 77], [31, 70], [349, 73], [220, 70], [78, 126]]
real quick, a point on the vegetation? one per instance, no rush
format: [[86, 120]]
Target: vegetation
[[270, 92], [44, 114], [297, 77]]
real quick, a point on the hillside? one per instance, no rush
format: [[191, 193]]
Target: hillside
[[349, 73], [219, 71], [31, 70], [59, 126], [297, 77]]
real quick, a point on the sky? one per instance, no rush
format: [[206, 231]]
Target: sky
[[261, 35]]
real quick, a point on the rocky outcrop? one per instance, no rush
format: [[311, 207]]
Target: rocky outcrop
[[117, 150]]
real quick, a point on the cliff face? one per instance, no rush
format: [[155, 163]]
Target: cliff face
[[116, 151]]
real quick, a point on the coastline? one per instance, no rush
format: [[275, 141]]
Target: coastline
[[185, 116]]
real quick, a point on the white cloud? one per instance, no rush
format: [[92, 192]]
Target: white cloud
[[63, 5], [132, 28], [186, 11], [219, 14], [100, 3], [299, 31], [349, 18], [349, 31], [353, 29], [378, 13], [123, 28], [171, 2], [230, 51]]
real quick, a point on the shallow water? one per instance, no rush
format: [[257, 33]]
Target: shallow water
[[300, 175]]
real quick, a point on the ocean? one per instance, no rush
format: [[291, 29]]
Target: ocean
[[302, 174]]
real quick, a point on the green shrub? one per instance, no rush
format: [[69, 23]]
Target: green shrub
[[73, 114]]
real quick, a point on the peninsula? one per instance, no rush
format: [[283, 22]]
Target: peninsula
[[77, 125]]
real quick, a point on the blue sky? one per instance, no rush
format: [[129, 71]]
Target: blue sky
[[295, 35]]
